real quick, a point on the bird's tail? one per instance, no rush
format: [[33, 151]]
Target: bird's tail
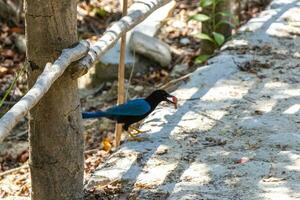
[[96, 114]]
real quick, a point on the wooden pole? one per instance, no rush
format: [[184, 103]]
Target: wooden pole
[[121, 74]]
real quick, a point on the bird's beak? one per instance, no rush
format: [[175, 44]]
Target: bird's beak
[[173, 100]]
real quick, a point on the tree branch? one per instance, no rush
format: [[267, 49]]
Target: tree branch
[[41, 86], [137, 12]]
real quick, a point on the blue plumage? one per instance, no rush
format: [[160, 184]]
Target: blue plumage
[[134, 110], [97, 114], [136, 107]]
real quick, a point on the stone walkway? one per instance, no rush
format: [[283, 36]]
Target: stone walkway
[[236, 133]]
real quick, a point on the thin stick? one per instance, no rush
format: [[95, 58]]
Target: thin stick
[[9, 103], [130, 77], [18, 74], [137, 12], [91, 151], [121, 74], [209, 117], [41, 86], [13, 170], [173, 82]]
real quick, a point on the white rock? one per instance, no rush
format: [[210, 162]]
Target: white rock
[[162, 150], [108, 67], [139, 88], [178, 24], [151, 48], [179, 69], [219, 102], [20, 42], [185, 41], [296, 55]]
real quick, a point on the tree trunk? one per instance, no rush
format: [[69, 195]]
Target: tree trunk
[[56, 140]]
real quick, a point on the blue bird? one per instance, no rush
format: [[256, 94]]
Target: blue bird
[[133, 110]]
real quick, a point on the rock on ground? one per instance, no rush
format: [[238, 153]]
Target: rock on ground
[[150, 47], [236, 132], [107, 69]]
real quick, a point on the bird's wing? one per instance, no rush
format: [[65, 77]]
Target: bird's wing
[[134, 107]]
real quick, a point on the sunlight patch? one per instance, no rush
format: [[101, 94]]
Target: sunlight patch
[[292, 109]]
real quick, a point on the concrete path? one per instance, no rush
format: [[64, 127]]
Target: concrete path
[[236, 133]]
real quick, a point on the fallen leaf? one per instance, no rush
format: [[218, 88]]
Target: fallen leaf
[[243, 160], [273, 179], [106, 144], [7, 53], [23, 157], [17, 30], [3, 71]]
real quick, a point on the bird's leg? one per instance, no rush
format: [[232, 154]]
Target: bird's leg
[[137, 130]]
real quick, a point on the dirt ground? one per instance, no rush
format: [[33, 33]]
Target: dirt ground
[[14, 173], [236, 132]]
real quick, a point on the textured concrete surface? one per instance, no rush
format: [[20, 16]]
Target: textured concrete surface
[[236, 132]]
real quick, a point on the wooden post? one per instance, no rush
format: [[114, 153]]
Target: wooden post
[[121, 74]]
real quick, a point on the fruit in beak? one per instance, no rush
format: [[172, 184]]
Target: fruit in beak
[[173, 100]]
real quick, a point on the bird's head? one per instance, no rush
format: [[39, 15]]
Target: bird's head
[[162, 95]]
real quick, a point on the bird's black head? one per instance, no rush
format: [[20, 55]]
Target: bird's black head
[[161, 95]]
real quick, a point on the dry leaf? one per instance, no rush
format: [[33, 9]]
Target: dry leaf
[[106, 144], [242, 160], [273, 179], [17, 30]]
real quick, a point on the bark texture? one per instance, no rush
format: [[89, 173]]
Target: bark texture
[[56, 141]]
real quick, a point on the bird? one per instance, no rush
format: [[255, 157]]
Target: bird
[[133, 110]]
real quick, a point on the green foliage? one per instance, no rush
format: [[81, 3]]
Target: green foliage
[[217, 39], [100, 12], [202, 58], [222, 22], [200, 17], [204, 36], [7, 92], [206, 3], [231, 20]]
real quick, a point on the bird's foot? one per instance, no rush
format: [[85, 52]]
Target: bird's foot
[[137, 130], [133, 137]]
